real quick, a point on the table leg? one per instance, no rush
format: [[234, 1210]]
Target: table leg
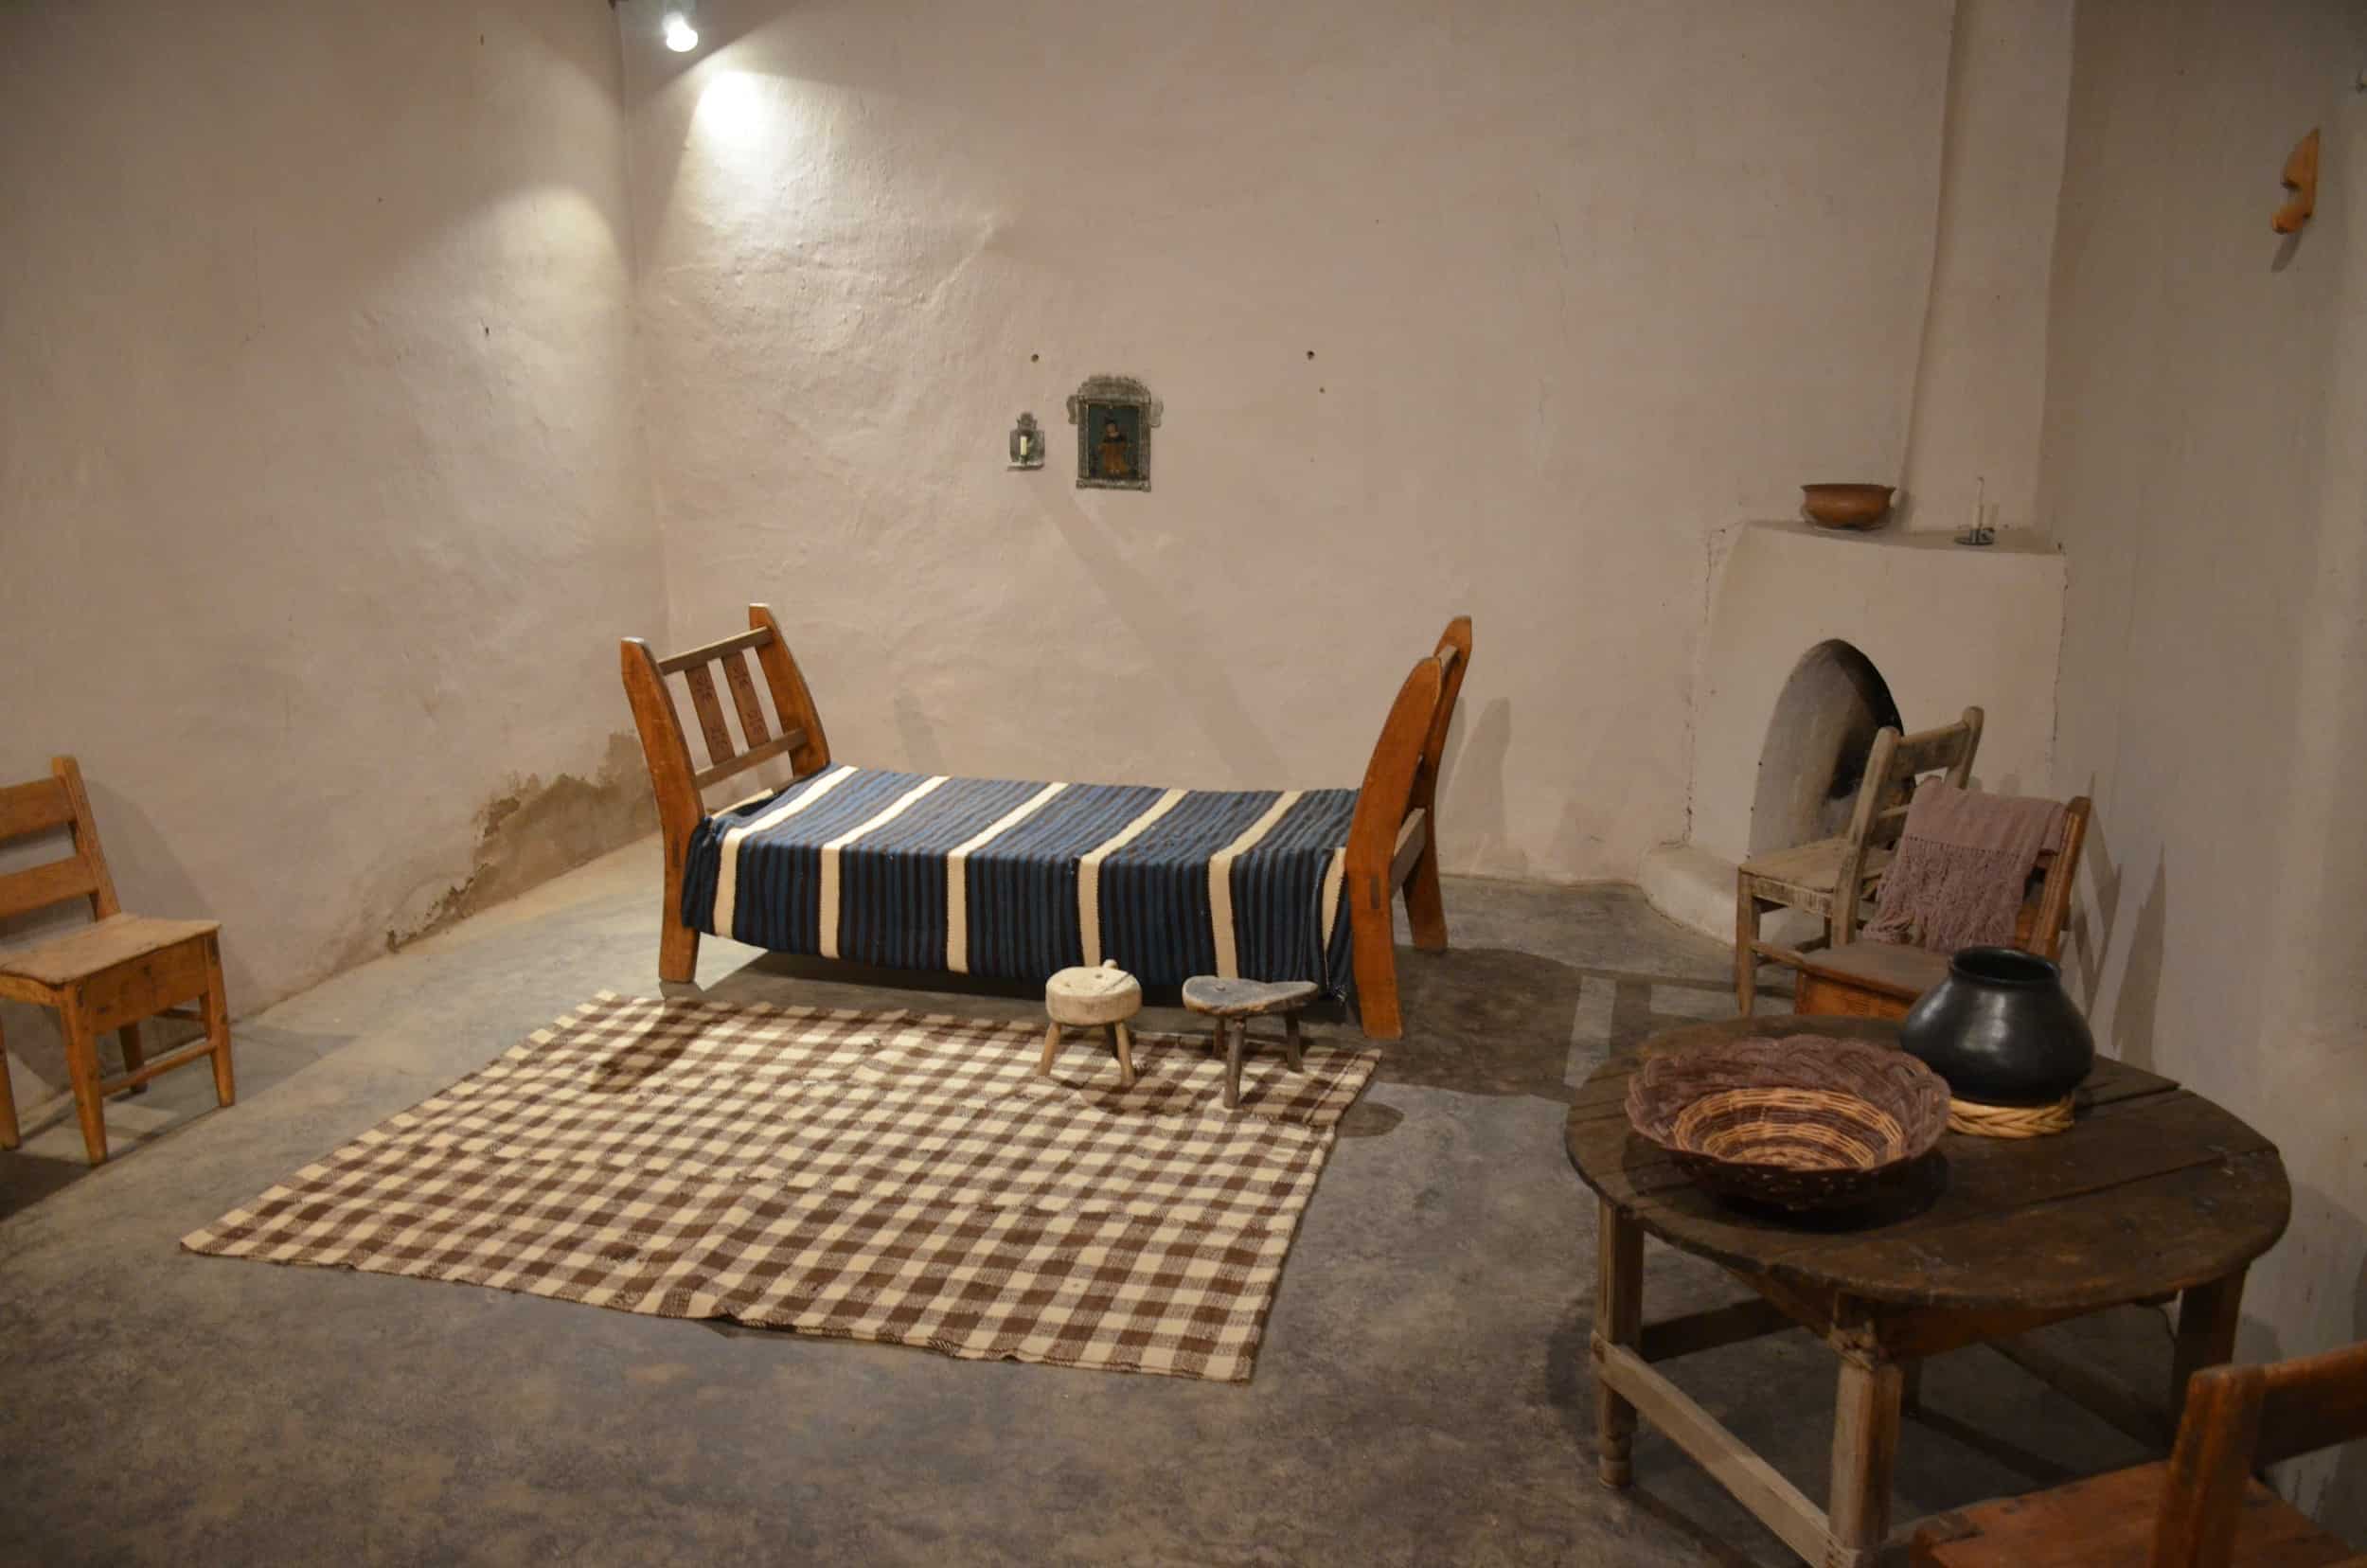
[[2207, 1316], [1865, 1448], [1618, 1320]]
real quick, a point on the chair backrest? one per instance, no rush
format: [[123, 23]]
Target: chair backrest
[[2238, 1418], [2047, 909], [1894, 765], [45, 805], [1890, 771]]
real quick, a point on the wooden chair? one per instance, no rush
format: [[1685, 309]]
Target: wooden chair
[[2202, 1509], [106, 975], [1884, 979], [1831, 877]]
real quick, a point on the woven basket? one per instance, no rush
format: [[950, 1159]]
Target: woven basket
[[1808, 1122]]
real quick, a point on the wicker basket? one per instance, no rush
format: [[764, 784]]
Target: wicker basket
[[1808, 1122]]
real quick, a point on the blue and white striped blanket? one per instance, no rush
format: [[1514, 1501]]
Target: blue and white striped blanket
[[1014, 880]]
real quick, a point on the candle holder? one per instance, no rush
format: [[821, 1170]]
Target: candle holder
[[1026, 443], [1983, 530]]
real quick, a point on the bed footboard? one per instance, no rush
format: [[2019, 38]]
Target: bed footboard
[[793, 730], [1393, 842]]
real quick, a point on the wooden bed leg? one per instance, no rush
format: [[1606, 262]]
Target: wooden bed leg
[[1424, 910], [1370, 888], [677, 948], [1373, 949]]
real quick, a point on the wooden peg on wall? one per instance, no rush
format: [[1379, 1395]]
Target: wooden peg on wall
[[2301, 173]]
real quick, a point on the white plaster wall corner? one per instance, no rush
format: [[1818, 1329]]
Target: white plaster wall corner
[[1394, 465], [2210, 668], [380, 468]]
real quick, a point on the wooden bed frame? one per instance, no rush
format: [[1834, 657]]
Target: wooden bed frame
[[1392, 844]]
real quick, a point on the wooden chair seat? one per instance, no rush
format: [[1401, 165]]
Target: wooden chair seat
[[2108, 1522], [1812, 871], [93, 949], [1866, 979]]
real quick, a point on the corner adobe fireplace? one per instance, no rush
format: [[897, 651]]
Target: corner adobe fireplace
[[1818, 741], [1815, 640]]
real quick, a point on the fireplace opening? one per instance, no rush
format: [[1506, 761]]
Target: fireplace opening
[[1818, 741]]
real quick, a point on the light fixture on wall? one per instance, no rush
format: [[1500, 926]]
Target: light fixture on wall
[[681, 27]]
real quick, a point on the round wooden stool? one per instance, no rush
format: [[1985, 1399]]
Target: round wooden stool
[[1093, 998], [1233, 1002]]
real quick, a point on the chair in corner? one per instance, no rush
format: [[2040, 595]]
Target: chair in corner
[[2200, 1509], [107, 975], [1831, 877], [1884, 979]]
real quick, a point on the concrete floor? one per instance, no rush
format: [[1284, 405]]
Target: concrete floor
[[1422, 1396]]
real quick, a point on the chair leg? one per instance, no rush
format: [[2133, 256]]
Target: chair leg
[[134, 1056], [1122, 1040], [1051, 1049], [9, 1138], [1746, 934], [218, 1024], [1237, 1038], [82, 1066]]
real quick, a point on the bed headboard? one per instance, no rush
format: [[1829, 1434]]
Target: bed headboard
[[793, 729]]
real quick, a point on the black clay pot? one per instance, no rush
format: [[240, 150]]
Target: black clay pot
[[2000, 1029]]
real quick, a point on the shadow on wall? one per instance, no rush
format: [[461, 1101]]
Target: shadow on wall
[[2134, 1009], [922, 754], [2090, 934], [1164, 626], [1481, 799]]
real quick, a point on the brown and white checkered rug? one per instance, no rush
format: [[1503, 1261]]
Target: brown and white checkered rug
[[871, 1175]]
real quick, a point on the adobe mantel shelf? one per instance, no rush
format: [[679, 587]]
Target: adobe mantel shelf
[[2010, 542]]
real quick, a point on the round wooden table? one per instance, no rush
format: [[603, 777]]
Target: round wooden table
[[2154, 1190]]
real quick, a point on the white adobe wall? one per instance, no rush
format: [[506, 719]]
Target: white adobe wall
[[1579, 282], [321, 498], [1981, 374], [2206, 471]]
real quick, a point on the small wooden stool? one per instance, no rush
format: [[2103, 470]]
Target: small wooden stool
[[1233, 1003], [1093, 998]]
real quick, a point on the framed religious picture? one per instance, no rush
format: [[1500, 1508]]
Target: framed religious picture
[[1115, 417]]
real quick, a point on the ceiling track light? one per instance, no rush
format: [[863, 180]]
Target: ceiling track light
[[681, 27]]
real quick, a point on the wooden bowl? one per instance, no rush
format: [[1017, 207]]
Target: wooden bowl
[[1808, 1122], [1847, 506]]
